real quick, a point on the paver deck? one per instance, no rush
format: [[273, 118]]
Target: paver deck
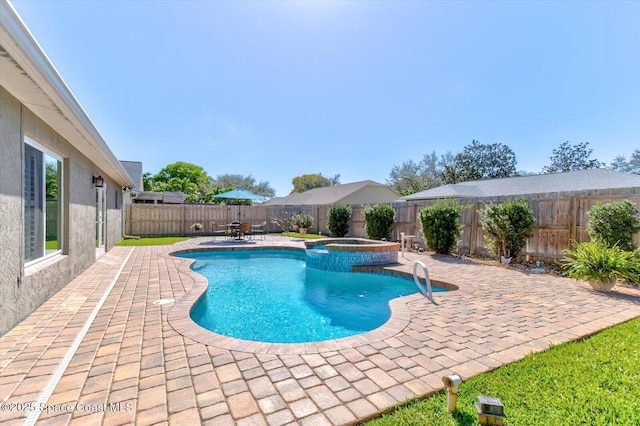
[[121, 360]]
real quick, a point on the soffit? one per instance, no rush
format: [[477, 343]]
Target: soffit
[[28, 75]]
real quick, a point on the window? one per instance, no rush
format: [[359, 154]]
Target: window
[[42, 202]]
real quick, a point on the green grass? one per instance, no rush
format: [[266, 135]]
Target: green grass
[[595, 381], [154, 241], [299, 235]]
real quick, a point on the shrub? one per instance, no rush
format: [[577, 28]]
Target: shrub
[[283, 221], [593, 261], [613, 224], [507, 226], [440, 225], [302, 220], [339, 217], [379, 220]]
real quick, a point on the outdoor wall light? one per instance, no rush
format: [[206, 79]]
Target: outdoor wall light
[[98, 181]]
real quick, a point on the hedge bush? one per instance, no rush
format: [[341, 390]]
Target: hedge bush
[[613, 224], [339, 217], [507, 226], [379, 220], [440, 225]]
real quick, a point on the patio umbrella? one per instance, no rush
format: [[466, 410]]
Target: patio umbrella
[[239, 194]]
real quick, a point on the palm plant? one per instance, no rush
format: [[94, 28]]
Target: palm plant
[[601, 264]]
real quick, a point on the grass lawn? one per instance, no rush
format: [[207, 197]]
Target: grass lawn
[[595, 381], [155, 241], [299, 235]]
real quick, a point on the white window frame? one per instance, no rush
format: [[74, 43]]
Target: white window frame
[[61, 190]]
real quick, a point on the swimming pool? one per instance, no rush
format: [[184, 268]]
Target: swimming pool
[[272, 296]]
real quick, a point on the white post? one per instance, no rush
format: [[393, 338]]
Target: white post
[[402, 243]]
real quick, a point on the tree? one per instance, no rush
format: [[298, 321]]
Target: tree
[[413, 177], [432, 172], [52, 177], [147, 181], [310, 181], [229, 182], [447, 169], [477, 161], [484, 161], [183, 177], [621, 164], [568, 157], [407, 178]]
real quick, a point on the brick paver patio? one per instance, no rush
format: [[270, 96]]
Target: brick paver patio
[[131, 365]]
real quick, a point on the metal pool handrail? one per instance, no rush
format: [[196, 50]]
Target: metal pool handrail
[[426, 292]]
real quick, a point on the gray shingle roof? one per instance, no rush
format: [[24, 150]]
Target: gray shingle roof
[[335, 194], [580, 180], [134, 170]]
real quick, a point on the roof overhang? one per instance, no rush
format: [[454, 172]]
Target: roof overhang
[[27, 73]]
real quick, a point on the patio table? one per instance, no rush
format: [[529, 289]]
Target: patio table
[[233, 228]]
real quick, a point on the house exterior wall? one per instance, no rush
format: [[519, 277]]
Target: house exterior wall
[[22, 289], [371, 195]]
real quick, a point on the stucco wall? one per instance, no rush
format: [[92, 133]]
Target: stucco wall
[[23, 290], [10, 209], [371, 195]]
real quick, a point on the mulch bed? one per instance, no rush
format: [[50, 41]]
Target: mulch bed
[[522, 265], [552, 268]]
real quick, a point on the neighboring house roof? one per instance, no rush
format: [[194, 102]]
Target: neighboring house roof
[[363, 192], [30, 77], [580, 180], [164, 197], [134, 170], [172, 197]]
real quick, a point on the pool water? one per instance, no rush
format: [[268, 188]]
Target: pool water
[[271, 296]]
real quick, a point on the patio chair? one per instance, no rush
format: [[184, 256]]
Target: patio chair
[[259, 229], [244, 229], [218, 230]]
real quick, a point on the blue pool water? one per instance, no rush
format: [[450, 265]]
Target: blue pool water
[[271, 296]]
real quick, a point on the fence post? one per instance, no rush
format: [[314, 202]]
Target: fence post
[[573, 220], [125, 226], [473, 233], [415, 223], [182, 221]]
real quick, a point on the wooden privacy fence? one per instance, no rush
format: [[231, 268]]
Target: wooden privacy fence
[[558, 221]]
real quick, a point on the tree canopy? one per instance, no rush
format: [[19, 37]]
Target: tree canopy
[[181, 177], [246, 182], [484, 161], [569, 157], [52, 178], [310, 181], [621, 164], [411, 177], [476, 161], [199, 187]]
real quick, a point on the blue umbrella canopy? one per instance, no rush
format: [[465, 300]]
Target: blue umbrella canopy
[[240, 194]]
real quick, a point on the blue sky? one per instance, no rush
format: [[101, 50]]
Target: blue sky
[[280, 89]]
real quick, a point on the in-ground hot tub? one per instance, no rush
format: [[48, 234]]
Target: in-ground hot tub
[[341, 254]]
